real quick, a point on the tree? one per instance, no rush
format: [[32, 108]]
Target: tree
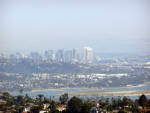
[[8, 98], [143, 101], [64, 98], [121, 111], [53, 106], [35, 109], [86, 107], [75, 105], [28, 99], [40, 97], [20, 100], [126, 102], [134, 108], [39, 101], [116, 103], [46, 100]]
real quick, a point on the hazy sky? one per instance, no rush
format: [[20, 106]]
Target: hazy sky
[[105, 25]]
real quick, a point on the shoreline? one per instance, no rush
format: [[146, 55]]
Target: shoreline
[[93, 88], [100, 93], [117, 93], [94, 91]]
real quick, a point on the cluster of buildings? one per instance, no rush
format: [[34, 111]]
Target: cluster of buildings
[[46, 80], [74, 55], [84, 55]]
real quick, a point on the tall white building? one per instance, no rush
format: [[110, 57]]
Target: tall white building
[[88, 55]]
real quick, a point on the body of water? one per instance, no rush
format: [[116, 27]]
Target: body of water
[[57, 92]]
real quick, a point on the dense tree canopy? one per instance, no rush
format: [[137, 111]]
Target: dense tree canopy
[[75, 105], [143, 101]]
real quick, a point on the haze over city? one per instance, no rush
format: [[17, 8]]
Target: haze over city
[[74, 56], [107, 26]]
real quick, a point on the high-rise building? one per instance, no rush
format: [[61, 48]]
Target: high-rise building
[[35, 56], [68, 56], [74, 54], [60, 55], [88, 55], [49, 54]]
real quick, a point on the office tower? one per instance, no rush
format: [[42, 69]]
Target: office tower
[[60, 55], [35, 56], [19, 55], [74, 53], [88, 55], [49, 54], [68, 56]]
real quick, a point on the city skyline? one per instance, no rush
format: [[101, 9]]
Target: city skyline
[[85, 55]]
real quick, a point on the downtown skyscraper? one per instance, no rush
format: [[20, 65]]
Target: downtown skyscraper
[[88, 55]]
